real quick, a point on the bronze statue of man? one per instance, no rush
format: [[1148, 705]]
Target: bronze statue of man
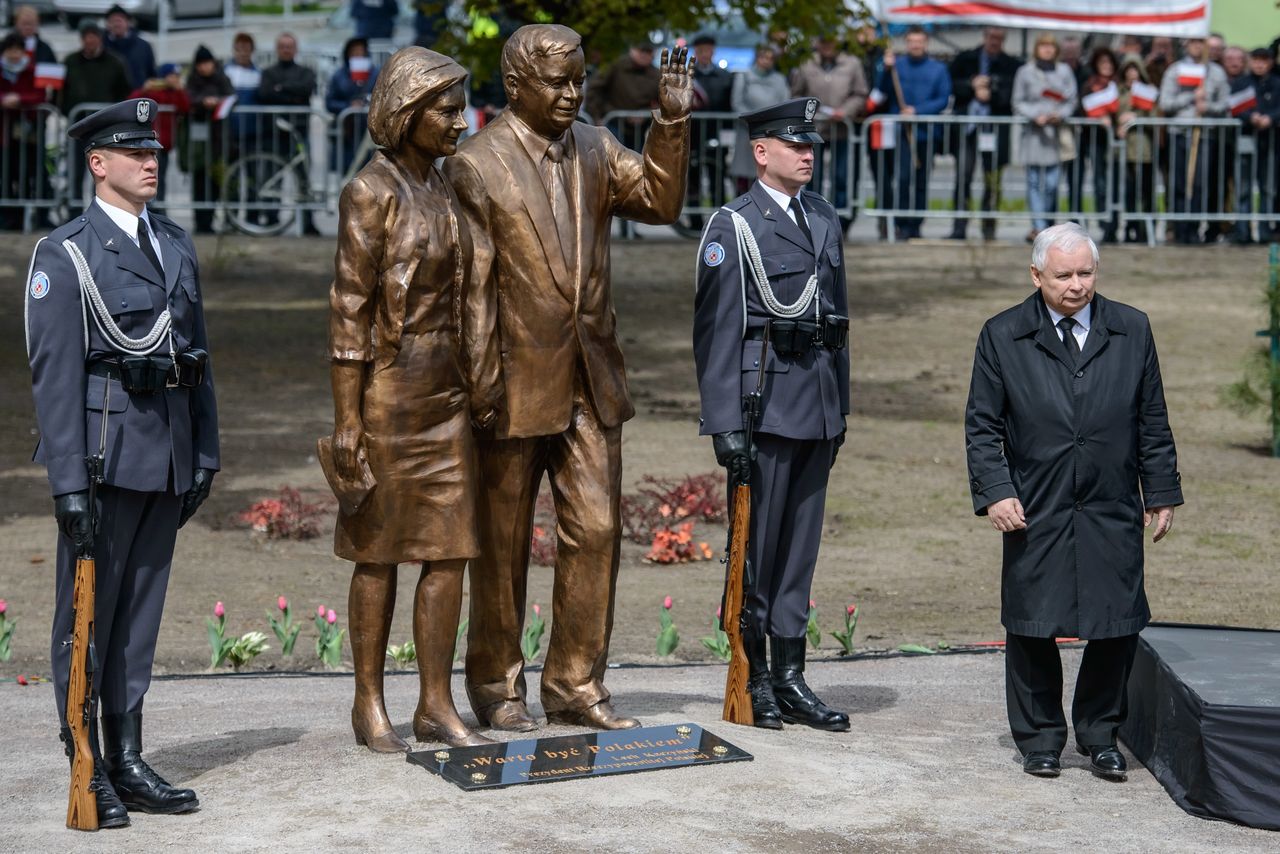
[[540, 191]]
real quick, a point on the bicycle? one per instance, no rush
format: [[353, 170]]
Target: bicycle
[[265, 183]]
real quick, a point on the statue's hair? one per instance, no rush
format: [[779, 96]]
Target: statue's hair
[[532, 42], [1066, 237], [412, 77]]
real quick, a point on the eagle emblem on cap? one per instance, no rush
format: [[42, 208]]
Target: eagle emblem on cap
[[144, 111], [810, 109]]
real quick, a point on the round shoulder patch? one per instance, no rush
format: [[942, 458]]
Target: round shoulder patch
[[39, 285], [713, 254]]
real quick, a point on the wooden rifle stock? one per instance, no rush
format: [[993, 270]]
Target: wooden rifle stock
[[82, 807], [82, 804], [737, 700]]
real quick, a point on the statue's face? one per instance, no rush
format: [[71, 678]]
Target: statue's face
[[548, 100], [440, 123]]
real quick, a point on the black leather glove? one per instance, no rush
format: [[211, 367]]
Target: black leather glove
[[201, 483], [733, 453], [835, 446], [75, 521]]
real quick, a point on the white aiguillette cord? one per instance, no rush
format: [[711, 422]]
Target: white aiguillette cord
[[747, 247], [149, 343]]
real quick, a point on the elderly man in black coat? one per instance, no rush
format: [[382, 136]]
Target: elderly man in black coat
[[1070, 457]]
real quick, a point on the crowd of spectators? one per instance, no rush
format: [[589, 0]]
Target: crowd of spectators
[[1062, 113]]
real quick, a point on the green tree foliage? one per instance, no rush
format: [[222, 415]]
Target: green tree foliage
[[607, 27]]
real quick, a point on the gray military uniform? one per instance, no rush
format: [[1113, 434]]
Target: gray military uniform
[[154, 441], [805, 397]]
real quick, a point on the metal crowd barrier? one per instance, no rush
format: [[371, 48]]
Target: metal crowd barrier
[[29, 194]]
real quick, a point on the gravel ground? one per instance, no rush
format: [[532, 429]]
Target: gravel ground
[[929, 766]]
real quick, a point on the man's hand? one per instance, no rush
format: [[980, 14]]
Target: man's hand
[[908, 110], [732, 453], [889, 61], [675, 87], [1006, 515], [1164, 521], [835, 446], [75, 522], [201, 483]]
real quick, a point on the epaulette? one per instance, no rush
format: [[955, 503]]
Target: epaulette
[[69, 229], [739, 203]]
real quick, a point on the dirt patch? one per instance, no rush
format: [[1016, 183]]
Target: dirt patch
[[901, 539]]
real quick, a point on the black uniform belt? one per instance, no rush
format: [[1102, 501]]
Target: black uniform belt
[[151, 374], [795, 337]]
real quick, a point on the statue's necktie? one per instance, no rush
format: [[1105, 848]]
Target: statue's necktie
[[1069, 341], [144, 243], [557, 185]]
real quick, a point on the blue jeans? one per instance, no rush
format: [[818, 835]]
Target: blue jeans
[[1042, 194]]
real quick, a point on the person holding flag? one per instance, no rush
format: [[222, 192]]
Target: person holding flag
[[1100, 99], [208, 88], [1191, 89], [165, 89], [19, 156], [1255, 101], [1137, 99], [1044, 92], [350, 86]]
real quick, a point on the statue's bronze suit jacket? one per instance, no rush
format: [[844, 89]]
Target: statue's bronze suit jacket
[[552, 312]]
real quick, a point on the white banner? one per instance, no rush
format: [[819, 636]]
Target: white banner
[[1180, 18]]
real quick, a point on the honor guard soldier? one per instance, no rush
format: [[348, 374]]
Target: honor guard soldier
[[773, 260], [119, 366]]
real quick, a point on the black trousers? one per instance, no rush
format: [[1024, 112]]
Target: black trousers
[[1033, 691]]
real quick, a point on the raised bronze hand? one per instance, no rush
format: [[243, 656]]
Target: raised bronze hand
[[675, 89]]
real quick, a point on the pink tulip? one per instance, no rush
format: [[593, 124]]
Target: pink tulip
[[536, 610], [282, 603], [850, 610], [320, 611], [666, 603], [219, 611], [331, 617], [4, 606], [22, 680], [811, 605], [717, 612]]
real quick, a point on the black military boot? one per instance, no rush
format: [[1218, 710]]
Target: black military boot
[[797, 701], [138, 786], [764, 706], [111, 813]]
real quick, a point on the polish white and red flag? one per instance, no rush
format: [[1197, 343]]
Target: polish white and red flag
[[1178, 18], [875, 100], [224, 107], [1143, 96], [884, 134], [50, 75], [360, 67], [1191, 74], [1243, 101], [1105, 100]]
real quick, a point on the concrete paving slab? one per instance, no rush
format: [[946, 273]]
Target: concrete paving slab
[[928, 766]]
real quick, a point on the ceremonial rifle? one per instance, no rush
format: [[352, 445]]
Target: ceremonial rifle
[[82, 807], [737, 699]]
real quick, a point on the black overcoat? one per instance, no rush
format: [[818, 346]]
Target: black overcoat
[[1084, 449]]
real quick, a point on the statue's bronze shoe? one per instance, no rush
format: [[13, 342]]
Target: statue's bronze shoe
[[379, 739], [599, 716], [507, 715], [457, 735]]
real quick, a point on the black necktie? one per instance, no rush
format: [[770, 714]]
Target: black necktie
[[144, 243], [1069, 341], [800, 220]]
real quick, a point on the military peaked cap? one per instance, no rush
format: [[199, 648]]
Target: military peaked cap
[[123, 125], [791, 120]]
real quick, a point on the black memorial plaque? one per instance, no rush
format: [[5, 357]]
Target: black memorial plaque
[[571, 757]]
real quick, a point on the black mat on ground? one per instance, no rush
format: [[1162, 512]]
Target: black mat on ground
[[1204, 717]]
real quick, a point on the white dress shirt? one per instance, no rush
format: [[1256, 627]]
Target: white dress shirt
[[1083, 319], [784, 202], [129, 224]]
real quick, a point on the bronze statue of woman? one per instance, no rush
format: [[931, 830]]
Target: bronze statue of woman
[[401, 403]]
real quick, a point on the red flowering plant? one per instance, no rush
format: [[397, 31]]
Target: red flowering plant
[[677, 546], [662, 502], [850, 624], [287, 517], [542, 548], [668, 637], [6, 631]]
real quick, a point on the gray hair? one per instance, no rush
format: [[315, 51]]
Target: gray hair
[[1066, 237]]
